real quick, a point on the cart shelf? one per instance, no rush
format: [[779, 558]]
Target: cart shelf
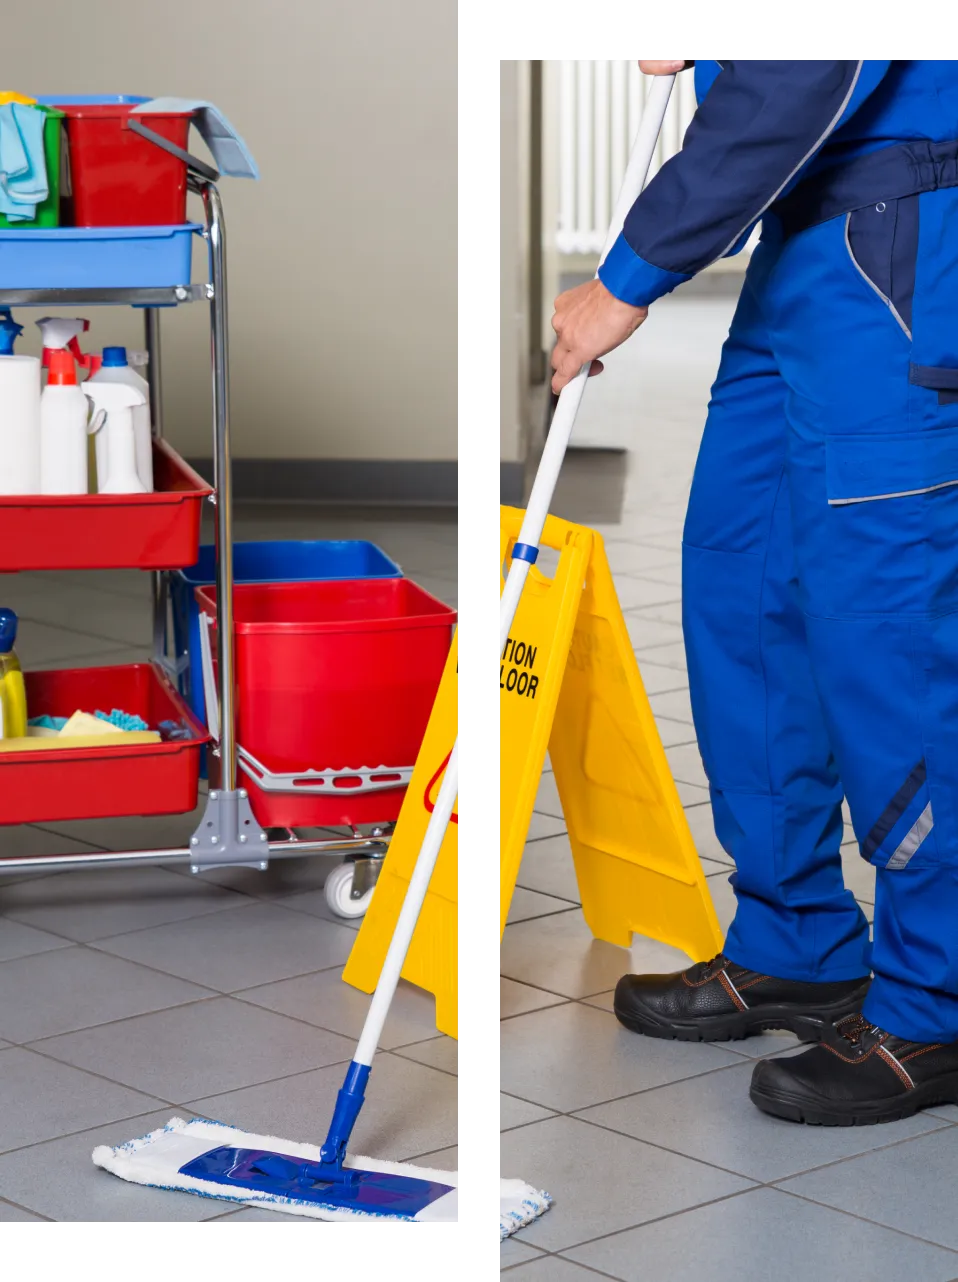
[[158, 531]]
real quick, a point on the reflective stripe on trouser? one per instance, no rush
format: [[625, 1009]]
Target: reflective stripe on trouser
[[821, 620]]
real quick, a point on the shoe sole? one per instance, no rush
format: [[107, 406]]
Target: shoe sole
[[798, 1108], [807, 1025]]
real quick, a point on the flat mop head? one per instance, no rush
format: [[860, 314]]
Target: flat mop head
[[519, 1205], [218, 1161]]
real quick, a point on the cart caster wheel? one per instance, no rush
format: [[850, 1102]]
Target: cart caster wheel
[[338, 891]]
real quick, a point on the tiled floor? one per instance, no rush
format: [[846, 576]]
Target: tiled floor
[[660, 1166], [128, 996]]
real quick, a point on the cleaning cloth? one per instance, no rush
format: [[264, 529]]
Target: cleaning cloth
[[158, 1159], [23, 166], [519, 1205], [233, 158]]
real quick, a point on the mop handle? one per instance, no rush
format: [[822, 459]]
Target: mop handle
[[409, 914], [570, 398]]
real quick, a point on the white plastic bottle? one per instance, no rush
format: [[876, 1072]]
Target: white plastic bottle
[[116, 369], [117, 473], [64, 411]]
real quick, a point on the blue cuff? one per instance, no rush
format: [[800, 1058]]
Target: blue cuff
[[632, 280]]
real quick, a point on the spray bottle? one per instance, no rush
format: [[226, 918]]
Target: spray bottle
[[117, 473], [59, 332], [13, 696], [19, 414], [115, 368], [64, 411]]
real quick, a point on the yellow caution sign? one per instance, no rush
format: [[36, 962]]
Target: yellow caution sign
[[433, 954], [635, 860]]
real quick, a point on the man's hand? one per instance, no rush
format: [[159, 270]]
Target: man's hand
[[663, 68], [589, 322]]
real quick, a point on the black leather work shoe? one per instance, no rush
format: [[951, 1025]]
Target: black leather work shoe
[[718, 1001], [857, 1076]]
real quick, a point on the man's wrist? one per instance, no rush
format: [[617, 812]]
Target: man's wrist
[[634, 281]]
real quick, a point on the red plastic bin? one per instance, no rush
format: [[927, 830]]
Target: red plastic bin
[[118, 178], [333, 676], [158, 531], [94, 783]]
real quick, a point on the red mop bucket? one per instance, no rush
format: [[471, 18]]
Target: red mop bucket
[[118, 177], [335, 683]]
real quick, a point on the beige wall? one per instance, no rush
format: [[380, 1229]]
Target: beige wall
[[342, 259], [513, 259]]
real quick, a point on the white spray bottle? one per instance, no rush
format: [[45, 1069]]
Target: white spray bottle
[[64, 411], [117, 473], [117, 367]]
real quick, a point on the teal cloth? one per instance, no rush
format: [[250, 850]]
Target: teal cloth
[[232, 156], [23, 166]]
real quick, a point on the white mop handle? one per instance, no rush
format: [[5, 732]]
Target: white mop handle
[[409, 914], [570, 398]]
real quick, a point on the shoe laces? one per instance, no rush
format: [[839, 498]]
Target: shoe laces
[[859, 1032], [709, 969]]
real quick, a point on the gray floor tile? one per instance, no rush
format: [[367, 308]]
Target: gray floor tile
[[214, 1046], [10, 1214], [691, 794], [282, 879], [156, 832], [41, 1099], [105, 658], [701, 826], [17, 940], [671, 612], [527, 904], [547, 797], [24, 841], [541, 827], [92, 904], [256, 1215], [512, 1252], [517, 999], [549, 1268], [713, 1119], [519, 1112], [909, 1186], [674, 733], [238, 947], [723, 896], [44, 645], [669, 655], [736, 1240], [638, 593], [74, 988], [602, 1182], [437, 1052], [560, 954], [313, 903], [673, 703], [625, 557], [122, 620], [658, 679], [645, 633], [685, 762], [324, 1000], [59, 1180], [410, 1109], [591, 1058], [548, 869]]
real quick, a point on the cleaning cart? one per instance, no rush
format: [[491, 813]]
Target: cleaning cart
[[144, 265]]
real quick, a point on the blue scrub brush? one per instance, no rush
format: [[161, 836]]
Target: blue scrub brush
[[123, 720]]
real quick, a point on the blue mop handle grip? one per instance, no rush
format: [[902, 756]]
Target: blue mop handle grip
[[349, 1101]]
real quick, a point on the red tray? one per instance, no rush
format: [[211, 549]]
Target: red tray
[[96, 783], [158, 531]]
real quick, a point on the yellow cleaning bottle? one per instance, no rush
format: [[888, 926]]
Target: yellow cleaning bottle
[[13, 695]]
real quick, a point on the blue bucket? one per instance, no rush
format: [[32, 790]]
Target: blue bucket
[[274, 562]]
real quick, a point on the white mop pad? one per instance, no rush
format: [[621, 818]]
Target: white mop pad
[[519, 1205], [157, 1158]]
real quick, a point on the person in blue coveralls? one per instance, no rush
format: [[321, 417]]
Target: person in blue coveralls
[[820, 565]]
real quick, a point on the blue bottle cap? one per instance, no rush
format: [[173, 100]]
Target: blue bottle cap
[[113, 356], [9, 331], [8, 630]]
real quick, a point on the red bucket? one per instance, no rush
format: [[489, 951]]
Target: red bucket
[[332, 677], [118, 178]]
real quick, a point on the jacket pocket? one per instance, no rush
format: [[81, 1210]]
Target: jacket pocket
[[889, 465], [882, 242]]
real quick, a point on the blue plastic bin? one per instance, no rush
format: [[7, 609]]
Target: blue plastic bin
[[96, 257], [273, 562]]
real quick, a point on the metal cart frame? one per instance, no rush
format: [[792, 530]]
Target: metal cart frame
[[228, 835]]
